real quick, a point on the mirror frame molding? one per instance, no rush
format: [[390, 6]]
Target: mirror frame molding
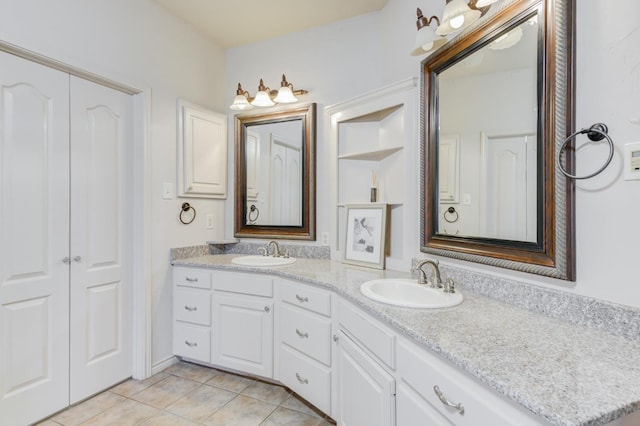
[[306, 112], [553, 255]]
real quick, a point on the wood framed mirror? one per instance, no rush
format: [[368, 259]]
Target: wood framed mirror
[[497, 104], [275, 173]]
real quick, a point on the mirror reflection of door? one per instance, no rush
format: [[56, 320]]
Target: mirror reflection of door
[[508, 187], [285, 178], [253, 154]]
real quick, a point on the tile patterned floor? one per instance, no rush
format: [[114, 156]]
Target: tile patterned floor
[[189, 394]]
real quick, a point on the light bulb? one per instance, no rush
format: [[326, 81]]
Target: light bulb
[[457, 21], [427, 46]]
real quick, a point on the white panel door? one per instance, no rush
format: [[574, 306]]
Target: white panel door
[[286, 183], [242, 334], [34, 240], [101, 230]]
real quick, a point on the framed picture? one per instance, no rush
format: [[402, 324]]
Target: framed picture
[[366, 232]]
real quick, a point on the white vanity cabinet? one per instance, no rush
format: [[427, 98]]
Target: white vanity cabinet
[[242, 322], [192, 313], [305, 346], [365, 382], [462, 401]]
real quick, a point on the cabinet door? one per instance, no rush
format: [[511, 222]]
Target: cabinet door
[[365, 390], [34, 240], [242, 334]]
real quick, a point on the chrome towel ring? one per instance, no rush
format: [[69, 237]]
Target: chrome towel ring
[[254, 213], [185, 208], [453, 215], [595, 133]]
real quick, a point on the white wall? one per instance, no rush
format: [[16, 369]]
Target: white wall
[[355, 56], [136, 42]]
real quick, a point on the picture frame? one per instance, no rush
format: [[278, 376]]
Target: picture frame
[[365, 237]]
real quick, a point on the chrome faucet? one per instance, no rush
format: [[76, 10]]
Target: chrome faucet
[[276, 248], [422, 275]]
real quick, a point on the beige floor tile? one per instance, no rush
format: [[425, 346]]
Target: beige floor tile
[[201, 403], [241, 411], [295, 402], [190, 371], [266, 392], [285, 416], [230, 382], [48, 423], [165, 392], [132, 387], [168, 419], [87, 409], [127, 413]]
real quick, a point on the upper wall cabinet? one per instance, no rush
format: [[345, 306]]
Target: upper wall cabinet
[[202, 152]]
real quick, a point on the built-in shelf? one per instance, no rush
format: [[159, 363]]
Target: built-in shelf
[[375, 155], [373, 138]]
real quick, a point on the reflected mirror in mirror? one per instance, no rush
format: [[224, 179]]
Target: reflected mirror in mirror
[[497, 105], [487, 164], [275, 173]]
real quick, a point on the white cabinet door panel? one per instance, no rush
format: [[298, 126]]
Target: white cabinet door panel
[[34, 240], [242, 334]]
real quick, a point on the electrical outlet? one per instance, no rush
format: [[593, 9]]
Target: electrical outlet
[[325, 238], [209, 221]]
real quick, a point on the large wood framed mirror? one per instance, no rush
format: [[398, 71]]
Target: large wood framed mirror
[[275, 173], [497, 105]]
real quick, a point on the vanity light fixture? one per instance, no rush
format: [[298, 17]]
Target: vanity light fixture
[[426, 38], [265, 96], [241, 101]]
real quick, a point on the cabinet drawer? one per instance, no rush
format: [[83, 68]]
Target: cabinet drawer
[[192, 306], [306, 377], [373, 336], [233, 282], [192, 277], [307, 332], [419, 371], [306, 297], [192, 342]]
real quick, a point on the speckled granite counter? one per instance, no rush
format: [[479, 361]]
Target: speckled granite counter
[[566, 373]]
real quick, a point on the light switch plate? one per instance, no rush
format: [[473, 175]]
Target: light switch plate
[[632, 161], [167, 191], [209, 221]]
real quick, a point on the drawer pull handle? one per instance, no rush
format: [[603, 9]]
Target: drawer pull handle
[[191, 280], [301, 334], [191, 308], [335, 338], [302, 299], [191, 344], [445, 401], [302, 379]]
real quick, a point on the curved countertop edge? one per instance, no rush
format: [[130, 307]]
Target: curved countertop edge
[[390, 315]]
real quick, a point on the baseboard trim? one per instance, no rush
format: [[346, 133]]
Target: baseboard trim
[[166, 363]]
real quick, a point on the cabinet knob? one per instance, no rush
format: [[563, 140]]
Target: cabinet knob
[[302, 299], [302, 379], [301, 334], [191, 308], [335, 338], [267, 309], [66, 260], [77, 259], [446, 402], [191, 344]]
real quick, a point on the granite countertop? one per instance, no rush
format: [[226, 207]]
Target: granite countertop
[[566, 373]]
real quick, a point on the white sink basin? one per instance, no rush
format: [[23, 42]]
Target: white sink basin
[[409, 294], [258, 260]]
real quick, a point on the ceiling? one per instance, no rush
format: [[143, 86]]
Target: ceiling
[[231, 23]]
